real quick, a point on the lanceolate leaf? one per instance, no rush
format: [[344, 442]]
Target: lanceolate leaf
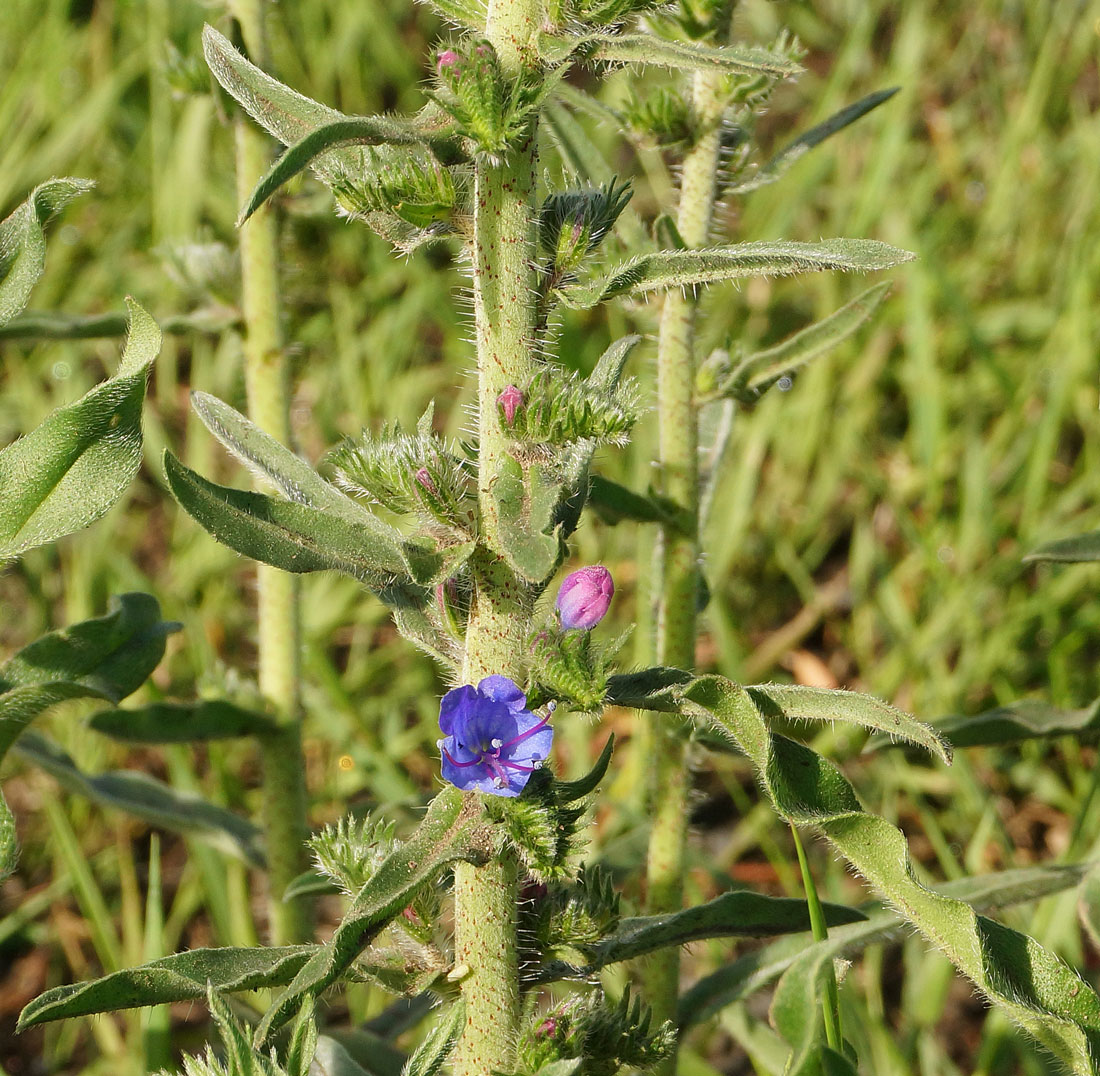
[[452, 829], [23, 243], [290, 536], [66, 473], [352, 130], [1036, 990], [757, 969], [180, 977], [148, 799], [106, 658], [1080, 549], [181, 722], [683, 268], [782, 161], [8, 846], [526, 499], [1028, 719], [757, 373], [1088, 904], [798, 703], [739, 914], [678, 55], [264, 456], [432, 1053]]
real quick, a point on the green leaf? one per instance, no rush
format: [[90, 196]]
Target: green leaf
[[290, 536], [453, 829], [1038, 991], [654, 689], [614, 502], [9, 846], [351, 130], [526, 499], [683, 268], [303, 1041], [181, 722], [1028, 719], [798, 703], [1088, 904], [267, 458], [106, 658], [146, 798], [53, 325], [241, 1059], [756, 374], [23, 241], [309, 884], [436, 1046], [757, 969], [786, 157], [333, 1059], [739, 914], [66, 473], [1080, 549], [571, 791], [660, 52]]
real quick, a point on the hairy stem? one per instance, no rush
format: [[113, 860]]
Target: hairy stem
[[678, 435], [505, 316], [267, 385]]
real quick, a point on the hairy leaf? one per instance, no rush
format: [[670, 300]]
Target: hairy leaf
[[452, 829], [757, 969], [106, 658], [687, 268], [526, 498], [1080, 549], [181, 722], [23, 242], [9, 848], [146, 798], [757, 373], [1038, 991], [66, 473], [294, 537], [1028, 719], [1088, 904], [798, 703], [433, 1051], [786, 157]]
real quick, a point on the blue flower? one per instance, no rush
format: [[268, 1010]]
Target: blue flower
[[492, 742]]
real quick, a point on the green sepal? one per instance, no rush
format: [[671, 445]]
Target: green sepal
[[569, 667], [23, 241], [526, 496], [68, 471]]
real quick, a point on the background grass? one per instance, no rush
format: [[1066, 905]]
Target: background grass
[[868, 531]]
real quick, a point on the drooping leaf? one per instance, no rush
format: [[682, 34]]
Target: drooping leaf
[[1037, 991], [108, 658], [1080, 549], [687, 268], [452, 829], [351, 130], [1028, 719], [786, 157], [525, 498], [798, 703], [53, 325], [23, 241], [68, 471], [294, 537], [660, 52], [757, 969], [614, 502], [757, 373], [146, 798], [436, 1046], [181, 722]]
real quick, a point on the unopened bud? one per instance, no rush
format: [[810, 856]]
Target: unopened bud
[[509, 402], [447, 58], [584, 597], [423, 478]]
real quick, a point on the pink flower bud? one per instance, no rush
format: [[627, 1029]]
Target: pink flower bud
[[425, 480], [548, 1027], [509, 401], [447, 58], [584, 597]]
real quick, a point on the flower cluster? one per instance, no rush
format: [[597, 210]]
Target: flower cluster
[[492, 743]]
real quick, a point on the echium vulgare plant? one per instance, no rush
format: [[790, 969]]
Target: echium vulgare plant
[[486, 532]]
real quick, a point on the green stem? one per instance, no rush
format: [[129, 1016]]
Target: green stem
[[267, 386], [505, 317], [678, 435], [831, 1005]]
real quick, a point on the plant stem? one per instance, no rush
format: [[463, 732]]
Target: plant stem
[[267, 386], [678, 434], [505, 314], [831, 1004]]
